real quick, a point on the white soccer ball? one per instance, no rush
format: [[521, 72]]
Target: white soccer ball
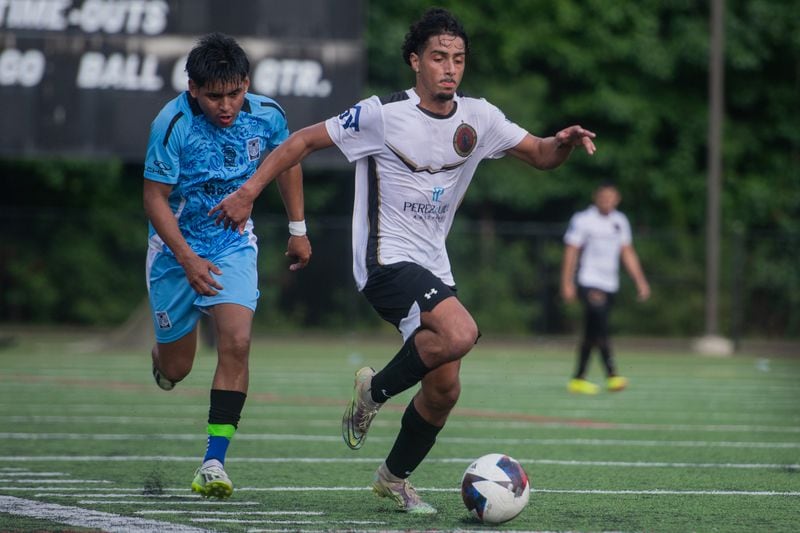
[[495, 488]]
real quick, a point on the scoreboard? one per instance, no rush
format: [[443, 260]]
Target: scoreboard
[[86, 78]]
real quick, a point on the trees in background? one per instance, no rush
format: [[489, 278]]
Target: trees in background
[[634, 72]]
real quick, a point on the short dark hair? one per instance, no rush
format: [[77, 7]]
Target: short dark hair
[[606, 184], [217, 58], [435, 21]]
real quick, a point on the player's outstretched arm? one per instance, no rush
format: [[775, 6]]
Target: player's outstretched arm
[[549, 152], [234, 210], [290, 185]]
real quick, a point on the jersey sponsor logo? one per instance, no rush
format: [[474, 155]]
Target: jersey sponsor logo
[[253, 149], [217, 187], [162, 318], [349, 119], [437, 194], [229, 156], [159, 167], [425, 209], [465, 139]]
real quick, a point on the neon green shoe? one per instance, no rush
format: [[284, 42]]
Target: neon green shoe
[[581, 386], [386, 485], [616, 383], [212, 482]]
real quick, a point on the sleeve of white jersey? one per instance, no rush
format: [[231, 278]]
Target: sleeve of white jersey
[[626, 235], [504, 135], [575, 236], [358, 131]]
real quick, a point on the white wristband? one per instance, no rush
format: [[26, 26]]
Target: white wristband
[[297, 228]]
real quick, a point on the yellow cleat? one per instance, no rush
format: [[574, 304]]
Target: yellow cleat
[[616, 383], [581, 386], [212, 482]]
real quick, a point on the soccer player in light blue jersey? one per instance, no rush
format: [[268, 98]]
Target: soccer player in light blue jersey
[[203, 145]]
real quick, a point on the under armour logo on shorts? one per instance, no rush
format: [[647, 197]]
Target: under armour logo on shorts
[[430, 293], [163, 320]]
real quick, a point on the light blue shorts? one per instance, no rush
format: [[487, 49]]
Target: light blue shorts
[[174, 304]]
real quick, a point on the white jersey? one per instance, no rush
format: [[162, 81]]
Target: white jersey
[[412, 171], [600, 238]]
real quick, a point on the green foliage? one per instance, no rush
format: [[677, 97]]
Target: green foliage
[[636, 73], [72, 231]]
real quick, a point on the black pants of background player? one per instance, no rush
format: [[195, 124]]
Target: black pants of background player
[[597, 308]]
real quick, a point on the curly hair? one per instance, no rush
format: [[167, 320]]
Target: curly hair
[[435, 21], [217, 58]]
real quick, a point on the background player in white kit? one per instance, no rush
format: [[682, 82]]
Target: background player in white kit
[[599, 235], [415, 152]]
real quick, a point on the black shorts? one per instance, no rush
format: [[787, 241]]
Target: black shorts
[[400, 292]]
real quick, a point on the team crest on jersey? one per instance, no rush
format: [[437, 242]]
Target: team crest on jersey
[[253, 149], [228, 156], [465, 139]]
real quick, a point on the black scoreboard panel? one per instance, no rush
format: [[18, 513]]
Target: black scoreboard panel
[[86, 78]]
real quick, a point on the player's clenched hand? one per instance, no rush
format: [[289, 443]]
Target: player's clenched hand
[[298, 250], [233, 211], [577, 136], [198, 273]]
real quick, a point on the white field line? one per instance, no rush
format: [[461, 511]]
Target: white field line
[[54, 481], [656, 492], [87, 518], [449, 440], [185, 502], [356, 460], [286, 522], [20, 472], [455, 421], [555, 408], [232, 513]]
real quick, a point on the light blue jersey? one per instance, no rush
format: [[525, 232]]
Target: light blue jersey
[[205, 163]]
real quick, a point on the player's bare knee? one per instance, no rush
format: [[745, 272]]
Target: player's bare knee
[[236, 345], [462, 340], [442, 398]]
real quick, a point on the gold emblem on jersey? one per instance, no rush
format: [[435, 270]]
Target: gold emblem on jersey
[[465, 139]]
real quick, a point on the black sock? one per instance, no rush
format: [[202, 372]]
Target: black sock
[[223, 419], [226, 407], [415, 440], [583, 359], [405, 370], [608, 359]]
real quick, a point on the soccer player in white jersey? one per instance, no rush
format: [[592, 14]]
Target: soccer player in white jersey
[[597, 238], [415, 152], [204, 144]]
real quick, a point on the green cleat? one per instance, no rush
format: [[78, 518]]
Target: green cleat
[[581, 386], [212, 482], [616, 383]]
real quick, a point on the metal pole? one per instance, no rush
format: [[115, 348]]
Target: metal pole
[[716, 84]]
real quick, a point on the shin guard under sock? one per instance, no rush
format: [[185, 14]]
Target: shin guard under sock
[[415, 440], [223, 419], [405, 370]]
